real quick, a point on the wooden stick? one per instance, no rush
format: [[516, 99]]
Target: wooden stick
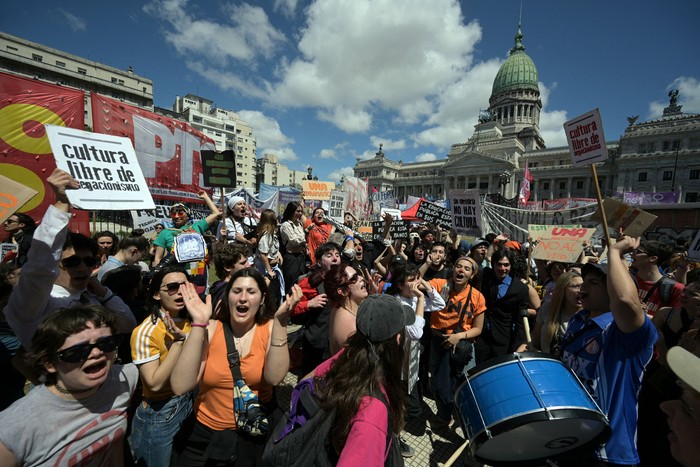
[[456, 454], [600, 204]]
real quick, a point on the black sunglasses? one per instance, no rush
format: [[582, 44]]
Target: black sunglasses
[[81, 352], [75, 260], [354, 278], [173, 287]]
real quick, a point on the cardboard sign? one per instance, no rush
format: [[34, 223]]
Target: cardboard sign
[[13, 196], [586, 139], [537, 231], [395, 213], [106, 167], [561, 243], [338, 204], [633, 221], [398, 230], [219, 168], [466, 212], [317, 190], [694, 250], [434, 214]]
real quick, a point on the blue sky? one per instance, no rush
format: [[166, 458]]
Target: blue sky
[[325, 82]]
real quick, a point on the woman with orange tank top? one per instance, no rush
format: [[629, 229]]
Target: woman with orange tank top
[[260, 338]]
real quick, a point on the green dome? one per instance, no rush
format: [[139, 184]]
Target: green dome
[[518, 71]]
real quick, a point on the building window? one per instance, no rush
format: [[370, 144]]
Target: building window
[[61, 64], [562, 162], [667, 175], [37, 57], [666, 145], [579, 184], [82, 71], [562, 185], [694, 174], [642, 148], [12, 49], [533, 164], [642, 177], [121, 82], [114, 80], [471, 185], [483, 185], [651, 147], [691, 197], [545, 185]]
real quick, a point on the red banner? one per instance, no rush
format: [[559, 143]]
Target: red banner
[[25, 106], [168, 150]]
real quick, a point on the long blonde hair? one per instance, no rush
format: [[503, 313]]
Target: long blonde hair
[[557, 304]]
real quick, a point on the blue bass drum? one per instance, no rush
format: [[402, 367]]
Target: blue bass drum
[[527, 408]]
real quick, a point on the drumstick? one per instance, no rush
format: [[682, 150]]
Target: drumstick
[[456, 454]]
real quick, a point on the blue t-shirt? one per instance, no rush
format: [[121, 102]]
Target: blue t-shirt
[[610, 364]]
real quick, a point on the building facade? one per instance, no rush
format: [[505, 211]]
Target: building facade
[[29, 59], [271, 172], [661, 155], [227, 129]]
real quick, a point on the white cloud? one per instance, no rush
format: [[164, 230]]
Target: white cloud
[[688, 96], [75, 23], [286, 7], [387, 144], [426, 157], [268, 135], [360, 56], [336, 175], [327, 154], [241, 32], [551, 121]]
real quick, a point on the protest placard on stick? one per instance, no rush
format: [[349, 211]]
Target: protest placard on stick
[[13, 195], [434, 214], [466, 212]]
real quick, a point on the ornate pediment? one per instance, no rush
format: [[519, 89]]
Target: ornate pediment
[[477, 162]]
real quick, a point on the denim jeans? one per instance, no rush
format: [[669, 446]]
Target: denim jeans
[[154, 427], [444, 377]]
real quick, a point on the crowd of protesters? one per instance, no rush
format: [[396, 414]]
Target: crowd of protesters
[[125, 353]]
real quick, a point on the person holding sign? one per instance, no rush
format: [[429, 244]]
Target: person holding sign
[[58, 271], [608, 345]]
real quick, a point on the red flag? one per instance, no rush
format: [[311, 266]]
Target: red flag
[[524, 194], [374, 190]]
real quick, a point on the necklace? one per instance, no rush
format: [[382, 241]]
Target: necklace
[[354, 313], [63, 390]]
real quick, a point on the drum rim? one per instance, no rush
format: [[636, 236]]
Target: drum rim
[[497, 362], [506, 424]]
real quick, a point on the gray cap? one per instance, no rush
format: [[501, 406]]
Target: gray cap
[[380, 317], [479, 242]]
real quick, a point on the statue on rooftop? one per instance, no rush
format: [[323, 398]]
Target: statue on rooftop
[[673, 94]]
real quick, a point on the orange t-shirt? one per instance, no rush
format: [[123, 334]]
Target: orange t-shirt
[[448, 318], [316, 237], [214, 404]]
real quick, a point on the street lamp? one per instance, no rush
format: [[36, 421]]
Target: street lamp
[[503, 181], [309, 170]]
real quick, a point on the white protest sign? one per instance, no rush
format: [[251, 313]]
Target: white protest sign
[[586, 139], [395, 213], [694, 250], [338, 205], [383, 199], [106, 167], [466, 212]]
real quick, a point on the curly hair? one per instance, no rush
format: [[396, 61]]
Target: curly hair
[[363, 369]]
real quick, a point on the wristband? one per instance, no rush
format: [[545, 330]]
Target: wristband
[[349, 237], [199, 325]]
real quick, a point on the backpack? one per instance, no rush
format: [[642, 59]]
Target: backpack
[[301, 437]]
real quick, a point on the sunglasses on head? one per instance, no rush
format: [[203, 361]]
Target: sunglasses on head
[[75, 260], [81, 352], [354, 278], [173, 287]]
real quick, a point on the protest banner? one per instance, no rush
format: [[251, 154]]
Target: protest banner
[[25, 106], [466, 212], [147, 219], [537, 231], [338, 205], [315, 190], [558, 243], [694, 250], [398, 230], [8, 249], [358, 202], [168, 150], [586, 139], [13, 196], [632, 220], [219, 168], [383, 199], [106, 167], [434, 214]]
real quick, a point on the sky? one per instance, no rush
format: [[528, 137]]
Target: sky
[[324, 82]]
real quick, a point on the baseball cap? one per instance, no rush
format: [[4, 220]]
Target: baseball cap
[[479, 242], [397, 259], [595, 268], [380, 317], [685, 365], [513, 245]]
